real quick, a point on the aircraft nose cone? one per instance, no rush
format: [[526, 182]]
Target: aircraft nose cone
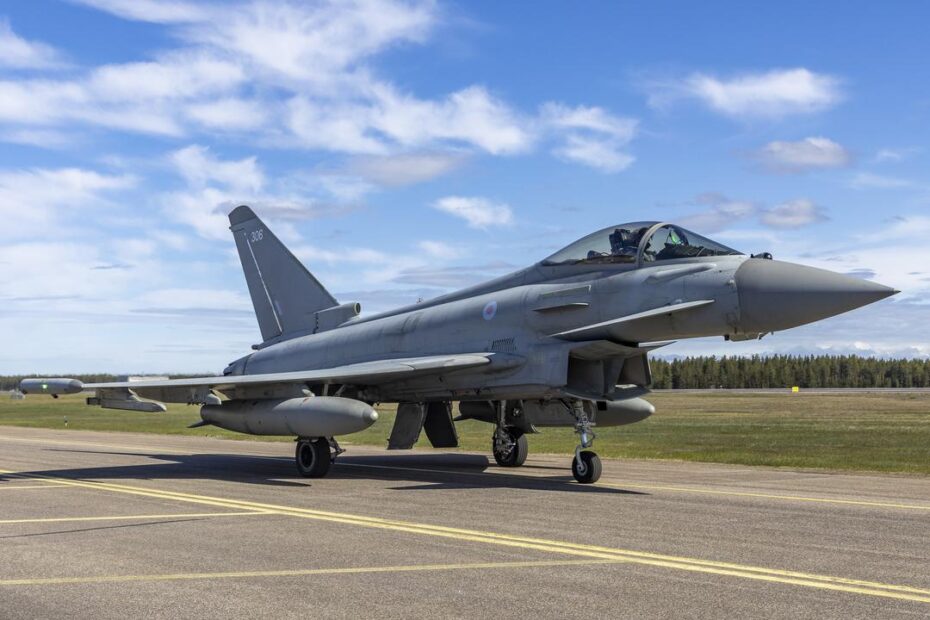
[[775, 295]]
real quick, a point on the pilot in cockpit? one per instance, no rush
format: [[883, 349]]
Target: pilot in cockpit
[[625, 242], [624, 246]]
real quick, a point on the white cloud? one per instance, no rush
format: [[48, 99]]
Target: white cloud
[[199, 167], [815, 153], [140, 96], [214, 186], [793, 214], [43, 198], [590, 118], [174, 76], [723, 212], [471, 116], [388, 120], [333, 127], [301, 75], [202, 209], [38, 101], [600, 154], [439, 249], [775, 93], [43, 138], [312, 42], [405, 169], [590, 135], [59, 273], [156, 11], [185, 298], [868, 180], [907, 227], [171, 239], [312, 253], [895, 155], [18, 53], [47, 103], [343, 188], [229, 113], [477, 212]]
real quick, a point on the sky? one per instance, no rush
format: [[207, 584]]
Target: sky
[[406, 148]]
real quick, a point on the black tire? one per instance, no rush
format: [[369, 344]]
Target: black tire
[[517, 454], [312, 457], [587, 469]]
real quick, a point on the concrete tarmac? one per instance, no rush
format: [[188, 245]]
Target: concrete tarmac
[[116, 525]]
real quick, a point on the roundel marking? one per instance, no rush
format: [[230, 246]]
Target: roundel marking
[[490, 309]]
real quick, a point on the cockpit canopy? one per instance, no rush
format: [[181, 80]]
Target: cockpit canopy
[[637, 243]]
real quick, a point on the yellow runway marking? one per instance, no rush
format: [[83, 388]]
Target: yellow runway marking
[[26, 486], [134, 517], [796, 498], [656, 487], [825, 582], [72, 444], [297, 572]]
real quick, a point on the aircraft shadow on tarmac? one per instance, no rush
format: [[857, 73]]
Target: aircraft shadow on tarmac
[[434, 471], [101, 528]]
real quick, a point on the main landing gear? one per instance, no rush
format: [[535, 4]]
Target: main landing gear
[[510, 447], [314, 455], [508, 443], [586, 466]]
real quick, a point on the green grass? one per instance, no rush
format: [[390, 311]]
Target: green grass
[[875, 432]]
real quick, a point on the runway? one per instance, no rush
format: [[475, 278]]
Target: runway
[[105, 525]]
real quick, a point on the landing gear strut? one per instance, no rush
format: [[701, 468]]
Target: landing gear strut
[[313, 456], [508, 443], [586, 466]]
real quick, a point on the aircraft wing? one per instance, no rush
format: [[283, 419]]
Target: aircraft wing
[[198, 389]]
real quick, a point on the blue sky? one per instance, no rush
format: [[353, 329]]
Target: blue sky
[[407, 148]]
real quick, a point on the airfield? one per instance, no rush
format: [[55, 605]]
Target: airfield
[[106, 525]]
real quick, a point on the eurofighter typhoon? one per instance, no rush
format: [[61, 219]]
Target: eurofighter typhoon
[[564, 342]]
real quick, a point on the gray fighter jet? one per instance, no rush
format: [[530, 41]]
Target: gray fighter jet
[[564, 342]]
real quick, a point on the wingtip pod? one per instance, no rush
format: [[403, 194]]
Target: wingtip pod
[[51, 386]]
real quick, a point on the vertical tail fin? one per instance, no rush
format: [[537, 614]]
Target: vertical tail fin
[[285, 295]]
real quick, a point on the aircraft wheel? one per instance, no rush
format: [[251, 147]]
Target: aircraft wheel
[[510, 448], [586, 467], [312, 456]]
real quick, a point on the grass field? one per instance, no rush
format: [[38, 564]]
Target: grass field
[[874, 432]]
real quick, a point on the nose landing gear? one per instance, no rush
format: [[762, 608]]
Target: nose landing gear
[[586, 466]]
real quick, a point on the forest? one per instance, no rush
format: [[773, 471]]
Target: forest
[[776, 371]]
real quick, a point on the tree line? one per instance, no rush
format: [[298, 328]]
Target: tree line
[[782, 371]]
